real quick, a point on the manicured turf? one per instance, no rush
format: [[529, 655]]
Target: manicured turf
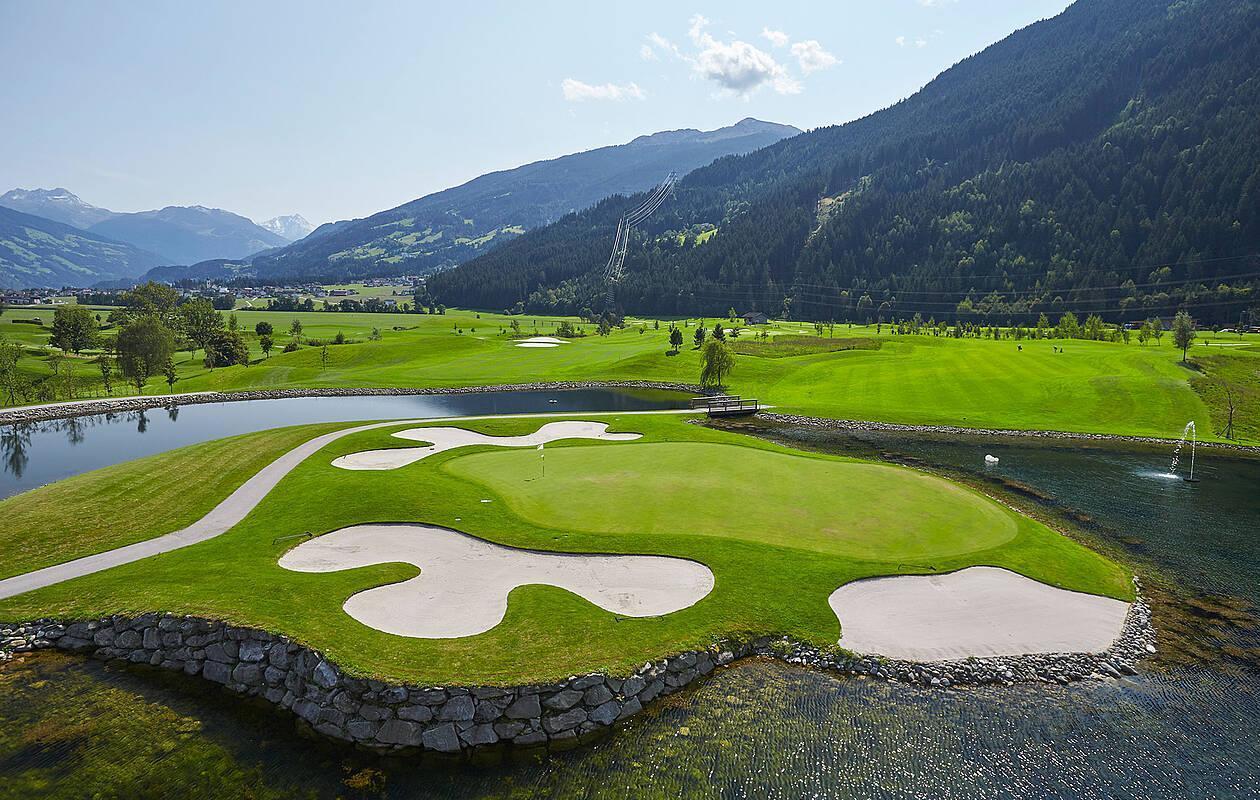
[[134, 501], [792, 527], [1093, 387]]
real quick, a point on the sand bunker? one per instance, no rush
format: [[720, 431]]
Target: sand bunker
[[979, 611], [464, 582], [449, 438], [541, 341]]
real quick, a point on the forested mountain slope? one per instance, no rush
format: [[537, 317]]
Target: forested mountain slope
[[1105, 160], [449, 227], [36, 252]]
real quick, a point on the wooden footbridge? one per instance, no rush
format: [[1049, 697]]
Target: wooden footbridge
[[726, 405]]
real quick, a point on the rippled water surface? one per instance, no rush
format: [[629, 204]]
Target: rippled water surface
[[1188, 727]]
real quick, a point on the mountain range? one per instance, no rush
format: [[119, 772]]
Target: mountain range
[[171, 235], [449, 227], [1104, 160], [40, 252]]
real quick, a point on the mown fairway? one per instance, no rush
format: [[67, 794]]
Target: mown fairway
[[791, 528], [1096, 387]]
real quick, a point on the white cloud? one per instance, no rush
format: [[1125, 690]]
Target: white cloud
[[776, 38], [647, 53], [812, 57], [736, 66], [920, 42], [901, 41], [936, 3], [576, 91]]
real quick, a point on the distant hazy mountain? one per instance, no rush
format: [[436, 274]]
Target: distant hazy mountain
[[59, 205], [449, 227], [188, 234], [37, 252], [292, 227]]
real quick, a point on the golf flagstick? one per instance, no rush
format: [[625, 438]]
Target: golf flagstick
[[542, 460]]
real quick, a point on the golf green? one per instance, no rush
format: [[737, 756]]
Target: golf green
[[708, 489]]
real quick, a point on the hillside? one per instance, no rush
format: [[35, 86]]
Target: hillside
[[451, 226], [188, 234], [37, 252], [1102, 160]]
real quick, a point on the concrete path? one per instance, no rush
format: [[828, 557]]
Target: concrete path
[[443, 439], [978, 611], [465, 581], [236, 506]]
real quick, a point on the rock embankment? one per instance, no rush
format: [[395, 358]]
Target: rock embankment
[[450, 719], [863, 425], [111, 405]]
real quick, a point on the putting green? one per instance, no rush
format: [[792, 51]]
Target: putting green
[[707, 489]]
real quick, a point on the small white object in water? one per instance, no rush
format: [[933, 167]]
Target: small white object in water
[[553, 400], [990, 459]]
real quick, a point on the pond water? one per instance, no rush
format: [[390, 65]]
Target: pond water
[[1185, 728], [38, 453]]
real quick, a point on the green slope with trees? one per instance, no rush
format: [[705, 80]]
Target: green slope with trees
[[1105, 160]]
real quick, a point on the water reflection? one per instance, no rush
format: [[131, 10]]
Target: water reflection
[[39, 453]]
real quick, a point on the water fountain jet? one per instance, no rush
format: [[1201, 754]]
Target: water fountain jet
[[1192, 433]]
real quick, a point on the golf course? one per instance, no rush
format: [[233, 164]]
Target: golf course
[[778, 529], [850, 372]]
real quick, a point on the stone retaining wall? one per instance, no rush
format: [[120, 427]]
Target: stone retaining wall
[[450, 719], [140, 403], [861, 425]]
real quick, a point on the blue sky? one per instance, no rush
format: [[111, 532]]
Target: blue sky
[[335, 110]]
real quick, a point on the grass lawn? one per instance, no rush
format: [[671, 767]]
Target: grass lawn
[[781, 529], [134, 501], [1088, 387]]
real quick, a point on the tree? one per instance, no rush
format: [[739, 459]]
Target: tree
[[698, 337], [263, 329], [718, 333], [1157, 329], [73, 329], [716, 362], [1094, 327], [168, 370], [295, 330], [1068, 327], [12, 381], [199, 322], [1144, 332], [1043, 327], [225, 348], [152, 299], [266, 343], [675, 338], [323, 357], [1183, 332], [144, 345], [106, 367]]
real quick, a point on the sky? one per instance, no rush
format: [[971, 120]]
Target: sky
[[339, 110]]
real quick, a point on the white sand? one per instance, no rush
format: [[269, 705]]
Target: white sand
[[979, 611], [464, 585], [541, 341], [449, 438]]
